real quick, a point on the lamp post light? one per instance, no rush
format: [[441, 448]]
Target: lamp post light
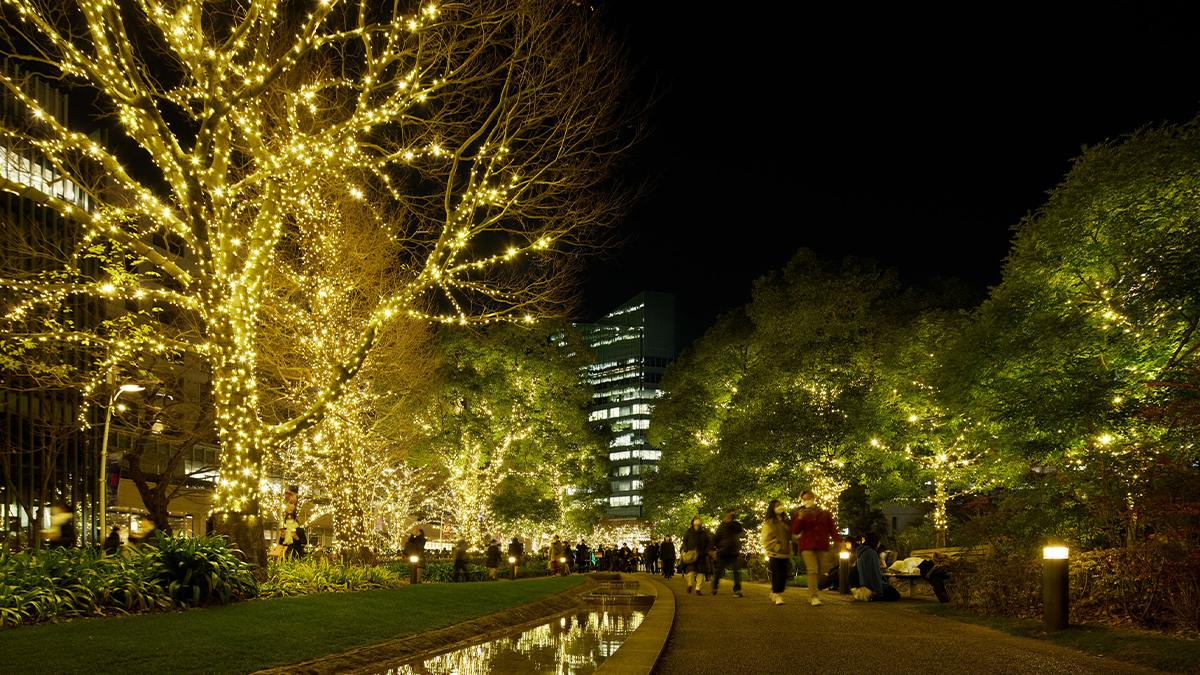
[[414, 572], [1056, 585], [512, 569], [843, 572], [562, 567], [102, 495]]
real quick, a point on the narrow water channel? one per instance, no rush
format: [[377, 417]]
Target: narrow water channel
[[568, 644]]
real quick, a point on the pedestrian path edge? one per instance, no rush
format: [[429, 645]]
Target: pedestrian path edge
[[640, 652]]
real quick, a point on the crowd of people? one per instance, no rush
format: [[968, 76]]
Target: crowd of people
[[703, 556]]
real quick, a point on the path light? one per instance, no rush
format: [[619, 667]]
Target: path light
[[413, 570], [1056, 585], [512, 568], [844, 572]]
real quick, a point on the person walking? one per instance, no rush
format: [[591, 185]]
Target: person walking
[[728, 545], [112, 543], [777, 540], [515, 551], [415, 548], [666, 554], [493, 559], [583, 557], [652, 557], [695, 554], [556, 555], [813, 526], [460, 561]]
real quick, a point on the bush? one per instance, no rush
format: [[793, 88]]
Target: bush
[[168, 572], [195, 570], [1151, 585], [304, 577]]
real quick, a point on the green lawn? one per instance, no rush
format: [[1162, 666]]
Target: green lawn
[[1161, 652], [249, 636]]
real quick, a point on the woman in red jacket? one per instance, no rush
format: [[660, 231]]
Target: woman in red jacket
[[813, 527]]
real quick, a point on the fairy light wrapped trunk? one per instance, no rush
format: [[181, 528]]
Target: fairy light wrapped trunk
[[480, 134]]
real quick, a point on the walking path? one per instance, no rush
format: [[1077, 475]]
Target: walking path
[[723, 634]]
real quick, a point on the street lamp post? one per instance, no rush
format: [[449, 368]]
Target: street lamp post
[[102, 495]]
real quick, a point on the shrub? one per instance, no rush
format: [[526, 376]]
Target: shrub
[[195, 570], [1151, 585], [304, 577], [168, 572]]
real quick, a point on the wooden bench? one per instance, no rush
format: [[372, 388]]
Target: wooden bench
[[956, 552]]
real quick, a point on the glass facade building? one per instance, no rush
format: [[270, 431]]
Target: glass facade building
[[634, 343]]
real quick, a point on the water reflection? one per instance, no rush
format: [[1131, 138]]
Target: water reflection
[[573, 644]]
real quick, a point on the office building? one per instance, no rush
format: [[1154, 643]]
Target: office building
[[634, 343]]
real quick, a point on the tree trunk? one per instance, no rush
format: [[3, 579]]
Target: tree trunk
[[244, 532]]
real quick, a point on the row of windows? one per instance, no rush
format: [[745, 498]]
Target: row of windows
[[634, 454], [625, 501], [626, 485]]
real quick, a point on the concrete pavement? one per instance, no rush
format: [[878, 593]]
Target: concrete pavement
[[728, 635]]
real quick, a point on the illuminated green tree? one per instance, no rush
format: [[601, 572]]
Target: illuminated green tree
[[1086, 354]]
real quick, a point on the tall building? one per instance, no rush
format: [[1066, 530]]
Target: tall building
[[634, 343], [45, 457]]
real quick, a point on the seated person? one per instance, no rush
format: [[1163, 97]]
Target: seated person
[[870, 573]]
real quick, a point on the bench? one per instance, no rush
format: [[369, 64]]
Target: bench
[[956, 552]]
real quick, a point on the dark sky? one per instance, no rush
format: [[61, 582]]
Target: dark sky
[[913, 136]]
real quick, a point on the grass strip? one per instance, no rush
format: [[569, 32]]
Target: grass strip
[[249, 636], [1153, 650]]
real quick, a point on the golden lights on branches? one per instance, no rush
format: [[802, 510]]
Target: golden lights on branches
[[274, 106]]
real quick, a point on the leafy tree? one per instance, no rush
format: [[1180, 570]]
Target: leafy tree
[[508, 427], [481, 133], [1087, 351], [687, 425]]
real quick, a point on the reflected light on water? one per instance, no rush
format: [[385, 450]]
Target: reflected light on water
[[575, 644]]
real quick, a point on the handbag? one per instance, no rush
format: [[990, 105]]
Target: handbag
[[278, 550], [688, 557]]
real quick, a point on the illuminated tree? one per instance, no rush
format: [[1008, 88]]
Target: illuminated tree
[[1091, 340], [484, 136], [510, 424]]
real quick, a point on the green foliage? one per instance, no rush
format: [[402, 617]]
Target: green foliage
[[287, 578], [170, 572], [509, 428]]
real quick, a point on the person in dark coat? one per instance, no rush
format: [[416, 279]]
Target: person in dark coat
[[493, 559], [113, 543], [583, 557], [666, 554], [516, 550], [697, 539], [415, 548], [652, 557], [295, 550], [460, 561], [727, 543]]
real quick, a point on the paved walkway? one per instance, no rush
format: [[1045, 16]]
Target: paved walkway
[[727, 635]]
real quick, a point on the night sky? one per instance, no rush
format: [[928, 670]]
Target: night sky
[[915, 137]]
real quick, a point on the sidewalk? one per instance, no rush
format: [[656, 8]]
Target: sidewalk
[[723, 634]]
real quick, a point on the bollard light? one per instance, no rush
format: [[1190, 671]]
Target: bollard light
[[1056, 585], [512, 569], [413, 570], [844, 572]]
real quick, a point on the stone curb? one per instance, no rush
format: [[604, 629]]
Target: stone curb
[[491, 626], [640, 652]]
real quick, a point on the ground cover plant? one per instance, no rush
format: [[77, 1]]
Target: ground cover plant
[[247, 636], [168, 572]]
